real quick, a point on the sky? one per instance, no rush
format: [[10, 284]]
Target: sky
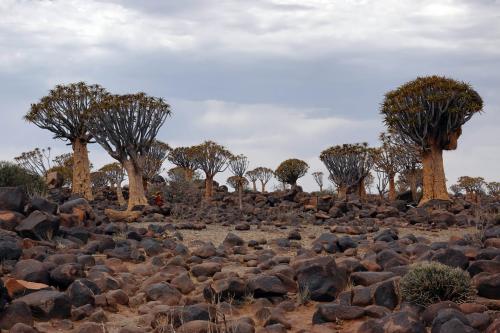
[[270, 79]]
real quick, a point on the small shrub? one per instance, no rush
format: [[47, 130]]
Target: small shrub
[[12, 175], [432, 282]]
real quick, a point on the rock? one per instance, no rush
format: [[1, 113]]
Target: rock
[[487, 285], [389, 258], [9, 250], [163, 292], [321, 277], [64, 275], [123, 216], [266, 286], [432, 310], [206, 269], [369, 278], [452, 258], [205, 251], [402, 322], [16, 312], [198, 326], [454, 326], [446, 315], [118, 296], [488, 266], [80, 294], [39, 226], [42, 205], [232, 240], [12, 198], [479, 321], [333, 312], [31, 270], [494, 327], [22, 328], [9, 220], [48, 304], [232, 288], [326, 242], [183, 283], [385, 294], [91, 328], [242, 226]]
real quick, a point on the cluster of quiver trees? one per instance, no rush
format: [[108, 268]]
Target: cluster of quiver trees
[[423, 118]]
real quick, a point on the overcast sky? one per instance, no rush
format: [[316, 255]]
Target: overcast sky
[[271, 79]]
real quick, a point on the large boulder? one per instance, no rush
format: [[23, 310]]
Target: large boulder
[[9, 250], [16, 312], [41, 204], [266, 286], [54, 180], [39, 226], [12, 198], [9, 220], [31, 270], [48, 304], [334, 312], [320, 277]]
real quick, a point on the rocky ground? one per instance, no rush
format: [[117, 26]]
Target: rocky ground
[[289, 262]]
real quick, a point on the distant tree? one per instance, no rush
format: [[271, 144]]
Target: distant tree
[[430, 111], [36, 161], [238, 166], [410, 179], [493, 189], [410, 159], [63, 164], [253, 176], [99, 180], [115, 175], [456, 189], [318, 178], [184, 157], [291, 170], [369, 182], [153, 160], [382, 182], [264, 175], [473, 186], [348, 165], [211, 158], [387, 159], [64, 112], [126, 127]]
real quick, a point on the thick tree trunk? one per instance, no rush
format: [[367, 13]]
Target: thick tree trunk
[[342, 193], [145, 184], [119, 195], [209, 187], [362, 190], [240, 196], [254, 184], [392, 188], [434, 178], [137, 196], [81, 170], [412, 178], [263, 186], [321, 188]]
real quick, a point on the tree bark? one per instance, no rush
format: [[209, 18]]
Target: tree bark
[[412, 178], [362, 190], [81, 170], [342, 193], [119, 195], [137, 196], [321, 188], [240, 196], [254, 184], [433, 174], [189, 174], [263, 186], [209, 185], [392, 188]]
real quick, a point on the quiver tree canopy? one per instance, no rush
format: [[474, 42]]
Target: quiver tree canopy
[[388, 159], [115, 175], [348, 165], [318, 178], [253, 176], [211, 158], [473, 186], [430, 111], [184, 157], [36, 161], [235, 182], [264, 175], [126, 127], [154, 159], [65, 112], [238, 166], [289, 171]]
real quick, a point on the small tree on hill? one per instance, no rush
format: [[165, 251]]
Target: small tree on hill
[[348, 166], [126, 127], [211, 158], [184, 157], [64, 112], [115, 175], [253, 176], [264, 175], [318, 178], [493, 189], [430, 111], [291, 170], [387, 159], [238, 166], [473, 186]]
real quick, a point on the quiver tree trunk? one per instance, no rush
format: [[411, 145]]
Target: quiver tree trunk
[[342, 192], [412, 179], [254, 185], [81, 170], [362, 190], [189, 174], [240, 196], [321, 188], [145, 184], [434, 181], [137, 196], [209, 187], [263, 186], [119, 195], [392, 187]]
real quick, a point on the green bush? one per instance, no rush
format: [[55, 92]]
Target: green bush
[[431, 282], [13, 175]]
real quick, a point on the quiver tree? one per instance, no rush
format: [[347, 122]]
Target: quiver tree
[[184, 157], [63, 164], [238, 166], [235, 181], [493, 189], [126, 127], [211, 158], [318, 178], [36, 161], [153, 161], [348, 165], [253, 176], [115, 175], [65, 112], [456, 189], [291, 170], [99, 180], [387, 159], [264, 175], [410, 159], [382, 182], [473, 187], [430, 112]]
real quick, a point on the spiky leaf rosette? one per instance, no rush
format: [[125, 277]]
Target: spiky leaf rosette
[[431, 110], [66, 109], [291, 170], [126, 125], [348, 164]]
